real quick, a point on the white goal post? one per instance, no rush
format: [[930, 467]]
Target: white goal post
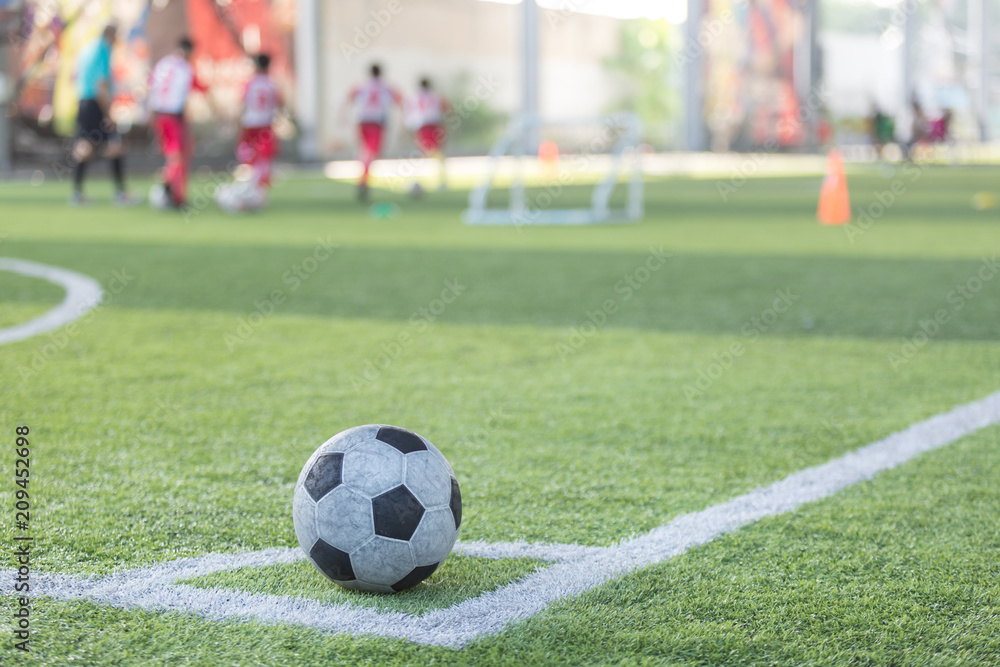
[[611, 154]]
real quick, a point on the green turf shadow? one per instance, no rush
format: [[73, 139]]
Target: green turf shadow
[[723, 294]]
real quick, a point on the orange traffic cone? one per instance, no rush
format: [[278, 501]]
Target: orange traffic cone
[[834, 202], [548, 156]]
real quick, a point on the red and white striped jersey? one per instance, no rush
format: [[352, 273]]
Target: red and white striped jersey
[[260, 101], [169, 84], [372, 101], [425, 108]]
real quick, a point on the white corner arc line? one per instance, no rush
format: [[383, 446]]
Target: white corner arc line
[[82, 294], [577, 569]]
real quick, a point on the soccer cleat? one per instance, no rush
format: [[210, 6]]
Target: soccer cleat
[[363, 192], [124, 200], [172, 202], [161, 198]]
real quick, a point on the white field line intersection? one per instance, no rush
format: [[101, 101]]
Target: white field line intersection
[[576, 569], [82, 294]]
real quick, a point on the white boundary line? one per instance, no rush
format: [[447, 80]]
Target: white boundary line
[[577, 569], [556, 553], [82, 294]]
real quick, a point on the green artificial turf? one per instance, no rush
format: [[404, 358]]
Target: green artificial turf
[[18, 289], [161, 419], [12, 314], [900, 570], [579, 400], [934, 217], [458, 579], [25, 298]]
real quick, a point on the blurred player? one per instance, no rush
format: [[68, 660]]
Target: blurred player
[[257, 146], [170, 83], [94, 128], [425, 113], [372, 102], [883, 130]]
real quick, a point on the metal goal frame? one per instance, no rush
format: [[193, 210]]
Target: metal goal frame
[[615, 156]]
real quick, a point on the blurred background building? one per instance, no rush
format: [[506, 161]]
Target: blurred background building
[[703, 74]]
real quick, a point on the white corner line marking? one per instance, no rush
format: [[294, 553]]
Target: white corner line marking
[[577, 569], [82, 294]]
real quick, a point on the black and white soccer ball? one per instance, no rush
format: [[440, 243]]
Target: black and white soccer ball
[[240, 196], [377, 508], [158, 197]]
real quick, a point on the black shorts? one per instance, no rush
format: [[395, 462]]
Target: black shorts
[[92, 125]]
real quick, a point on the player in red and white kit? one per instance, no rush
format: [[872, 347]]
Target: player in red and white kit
[[257, 145], [170, 82], [425, 114], [372, 102]]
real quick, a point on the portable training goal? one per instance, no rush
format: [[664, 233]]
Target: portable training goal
[[549, 156]]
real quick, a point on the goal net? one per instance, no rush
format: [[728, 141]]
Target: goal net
[[541, 161]]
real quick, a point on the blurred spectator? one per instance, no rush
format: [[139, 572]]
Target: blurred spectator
[[882, 128], [918, 129], [940, 129]]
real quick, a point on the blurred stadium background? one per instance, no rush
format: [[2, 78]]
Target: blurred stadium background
[[703, 75]]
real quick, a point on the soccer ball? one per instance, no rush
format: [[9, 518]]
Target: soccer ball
[[239, 196], [158, 197], [377, 508]]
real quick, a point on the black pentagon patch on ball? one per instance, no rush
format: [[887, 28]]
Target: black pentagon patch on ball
[[456, 503], [415, 576], [397, 513], [403, 440], [324, 475], [334, 563]]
